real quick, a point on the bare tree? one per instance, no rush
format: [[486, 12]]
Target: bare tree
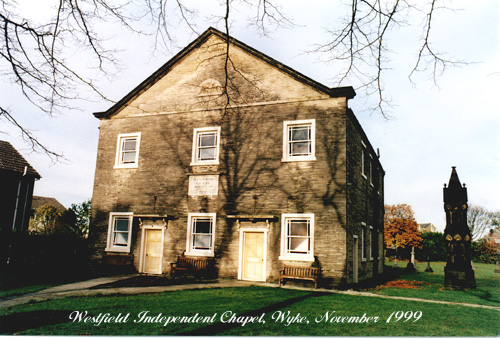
[[361, 44], [34, 55], [480, 220]]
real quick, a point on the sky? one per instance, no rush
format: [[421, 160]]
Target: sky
[[432, 127]]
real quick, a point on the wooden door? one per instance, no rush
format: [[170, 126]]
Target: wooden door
[[154, 252], [253, 256]]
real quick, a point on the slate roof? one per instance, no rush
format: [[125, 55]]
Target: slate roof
[[12, 161], [347, 91], [40, 201]]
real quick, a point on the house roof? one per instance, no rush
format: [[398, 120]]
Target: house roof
[[40, 201], [12, 161], [425, 225], [347, 92], [493, 233]]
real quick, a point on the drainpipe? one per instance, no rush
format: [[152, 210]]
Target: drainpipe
[[25, 205], [17, 200]]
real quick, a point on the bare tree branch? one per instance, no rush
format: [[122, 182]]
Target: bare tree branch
[[268, 14], [34, 55], [28, 137], [361, 45], [480, 220]]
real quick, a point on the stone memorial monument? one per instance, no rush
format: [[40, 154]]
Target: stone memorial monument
[[458, 272]]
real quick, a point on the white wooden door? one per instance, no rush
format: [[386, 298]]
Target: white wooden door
[[253, 256], [154, 252]]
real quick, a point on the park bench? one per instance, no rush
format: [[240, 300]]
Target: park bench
[[197, 266], [300, 273]]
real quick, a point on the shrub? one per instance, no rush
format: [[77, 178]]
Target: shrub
[[433, 247], [483, 252]]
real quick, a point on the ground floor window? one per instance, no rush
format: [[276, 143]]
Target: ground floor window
[[119, 232], [201, 234], [373, 243], [297, 237], [364, 241]]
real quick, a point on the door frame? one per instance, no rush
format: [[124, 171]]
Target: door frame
[[244, 230], [142, 260]]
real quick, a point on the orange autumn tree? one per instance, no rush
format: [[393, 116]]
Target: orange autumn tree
[[400, 227]]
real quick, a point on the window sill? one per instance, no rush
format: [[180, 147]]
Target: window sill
[[201, 163], [308, 257], [294, 159], [200, 254], [126, 166]]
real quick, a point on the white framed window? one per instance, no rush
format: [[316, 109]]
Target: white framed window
[[364, 241], [297, 237], [380, 242], [370, 170], [127, 150], [201, 234], [206, 146], [364, 160], [371, 245], [299, 140], [119, 232], [376, 178]]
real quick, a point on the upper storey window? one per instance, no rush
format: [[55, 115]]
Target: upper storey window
[[127, 150], [206, 146], [299, 140]]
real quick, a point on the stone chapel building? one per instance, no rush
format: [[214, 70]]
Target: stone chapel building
[[240, 159]]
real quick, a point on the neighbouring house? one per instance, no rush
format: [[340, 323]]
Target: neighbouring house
[[40, 201], [17, 180], [493, 237], [239, 159], [428, 227], [38, 223]]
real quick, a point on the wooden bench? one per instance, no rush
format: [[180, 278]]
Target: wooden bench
[[193, 265], [300, 273]]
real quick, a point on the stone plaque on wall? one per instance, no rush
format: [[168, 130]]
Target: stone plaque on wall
[[203, 184]]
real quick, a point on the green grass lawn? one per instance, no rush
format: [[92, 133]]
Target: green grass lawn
[[14, 283], [264, 303], [486, 293], [20, 290], [276, 311], [18, 284]]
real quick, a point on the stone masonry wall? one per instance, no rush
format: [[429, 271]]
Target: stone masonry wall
[[253, 179], [365, 203]]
